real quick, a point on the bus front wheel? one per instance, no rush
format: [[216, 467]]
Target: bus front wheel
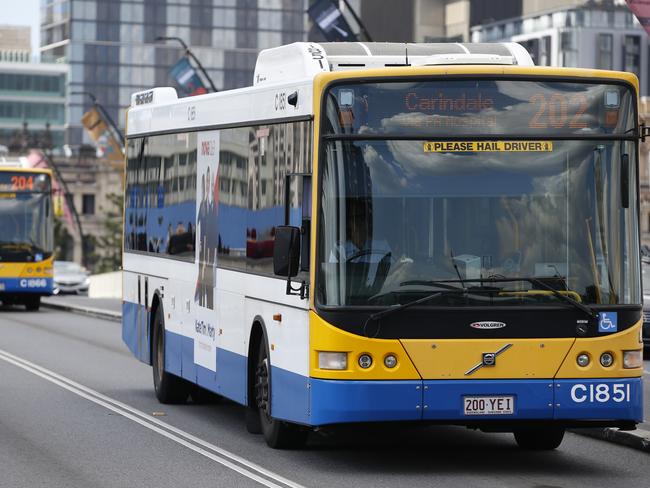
[[543, 438], [277, 433], [33, 303], [169, 388]]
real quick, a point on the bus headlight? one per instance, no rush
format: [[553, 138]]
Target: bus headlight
[[390, 361], [583, 360], [632, 359], [332, 360], [606, 359], [365, 361]]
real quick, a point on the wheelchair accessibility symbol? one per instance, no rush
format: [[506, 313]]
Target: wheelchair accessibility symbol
[[607, 322]]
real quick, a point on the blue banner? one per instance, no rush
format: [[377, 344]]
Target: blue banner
[[187, 78]]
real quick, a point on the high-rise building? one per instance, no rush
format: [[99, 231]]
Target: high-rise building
[[111, 47]]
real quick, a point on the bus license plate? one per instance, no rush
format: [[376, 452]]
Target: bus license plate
[[489, 405]]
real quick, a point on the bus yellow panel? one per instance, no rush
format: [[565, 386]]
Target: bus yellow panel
[[594, 347], [327, 338], [513, 358]]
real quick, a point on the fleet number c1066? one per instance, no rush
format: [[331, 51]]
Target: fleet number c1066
[[600, 393]]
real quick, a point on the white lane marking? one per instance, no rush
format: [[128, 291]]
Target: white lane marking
[[223, 457]]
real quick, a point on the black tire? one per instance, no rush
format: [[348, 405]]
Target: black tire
[[544, 438], [169, 389], [33, 303], [277, 433], [253, 424]]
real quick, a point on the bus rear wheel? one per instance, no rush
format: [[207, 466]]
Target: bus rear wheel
[[277, 433], [33, 303], [539, 438], [169, 388]]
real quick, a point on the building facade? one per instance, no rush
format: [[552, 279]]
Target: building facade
[[603, 35], [15, 44], [112, 51], [432, 20], [32, 105], [92, 183]]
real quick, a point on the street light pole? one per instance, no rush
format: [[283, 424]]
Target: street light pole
[[104, 114], [189, 53]]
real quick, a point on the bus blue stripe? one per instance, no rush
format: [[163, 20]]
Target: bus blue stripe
[[290, 396], [27, 285], [444, 398], [335, 401], [231, 375], [173, 348], [188, 370], [592, 406], [313, 401], [129, 326]]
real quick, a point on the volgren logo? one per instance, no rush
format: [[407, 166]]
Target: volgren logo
[[488, 324]]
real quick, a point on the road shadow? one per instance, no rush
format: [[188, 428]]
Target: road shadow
[[390, 449]]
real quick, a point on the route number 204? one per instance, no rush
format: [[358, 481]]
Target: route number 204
[[600, 393]]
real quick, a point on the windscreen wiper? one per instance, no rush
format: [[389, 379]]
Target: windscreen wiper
[[397, 308], [539, 283], [502, 279]]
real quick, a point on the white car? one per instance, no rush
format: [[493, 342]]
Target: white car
[[70, 277]]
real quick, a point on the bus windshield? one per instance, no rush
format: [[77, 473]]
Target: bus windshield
[[26, 227], [400, 217]]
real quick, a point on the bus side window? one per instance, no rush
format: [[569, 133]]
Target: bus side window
[[298, 211]]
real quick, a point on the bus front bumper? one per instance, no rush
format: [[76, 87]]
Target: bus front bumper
[[41, 286], [571, 401]]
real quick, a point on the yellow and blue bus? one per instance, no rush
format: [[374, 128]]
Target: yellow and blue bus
[[26, 240], [438, 233]]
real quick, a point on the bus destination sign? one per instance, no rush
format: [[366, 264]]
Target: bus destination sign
[[23, 182], [485, 107]]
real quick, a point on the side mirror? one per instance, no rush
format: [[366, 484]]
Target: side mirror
[[286, 251]]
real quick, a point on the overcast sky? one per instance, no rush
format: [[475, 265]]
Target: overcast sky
[[22, 12]]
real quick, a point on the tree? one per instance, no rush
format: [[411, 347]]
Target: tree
[[63, 242], [109, 244]]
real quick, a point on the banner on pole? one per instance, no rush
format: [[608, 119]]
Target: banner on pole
[[641, 9], [187, 78], [100, 132], [329, 19]]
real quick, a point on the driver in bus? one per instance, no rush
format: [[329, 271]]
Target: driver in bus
[[359, 245]]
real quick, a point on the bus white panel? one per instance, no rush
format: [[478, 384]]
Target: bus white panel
[[244, 105]]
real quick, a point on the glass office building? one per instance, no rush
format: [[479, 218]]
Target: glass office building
[[32, 94], [111, 48]]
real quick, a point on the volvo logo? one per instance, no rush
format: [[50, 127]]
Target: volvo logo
[[488, 359], [487, 324]]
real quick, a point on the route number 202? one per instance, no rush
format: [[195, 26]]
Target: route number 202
[[559, 111], [600, 393]]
